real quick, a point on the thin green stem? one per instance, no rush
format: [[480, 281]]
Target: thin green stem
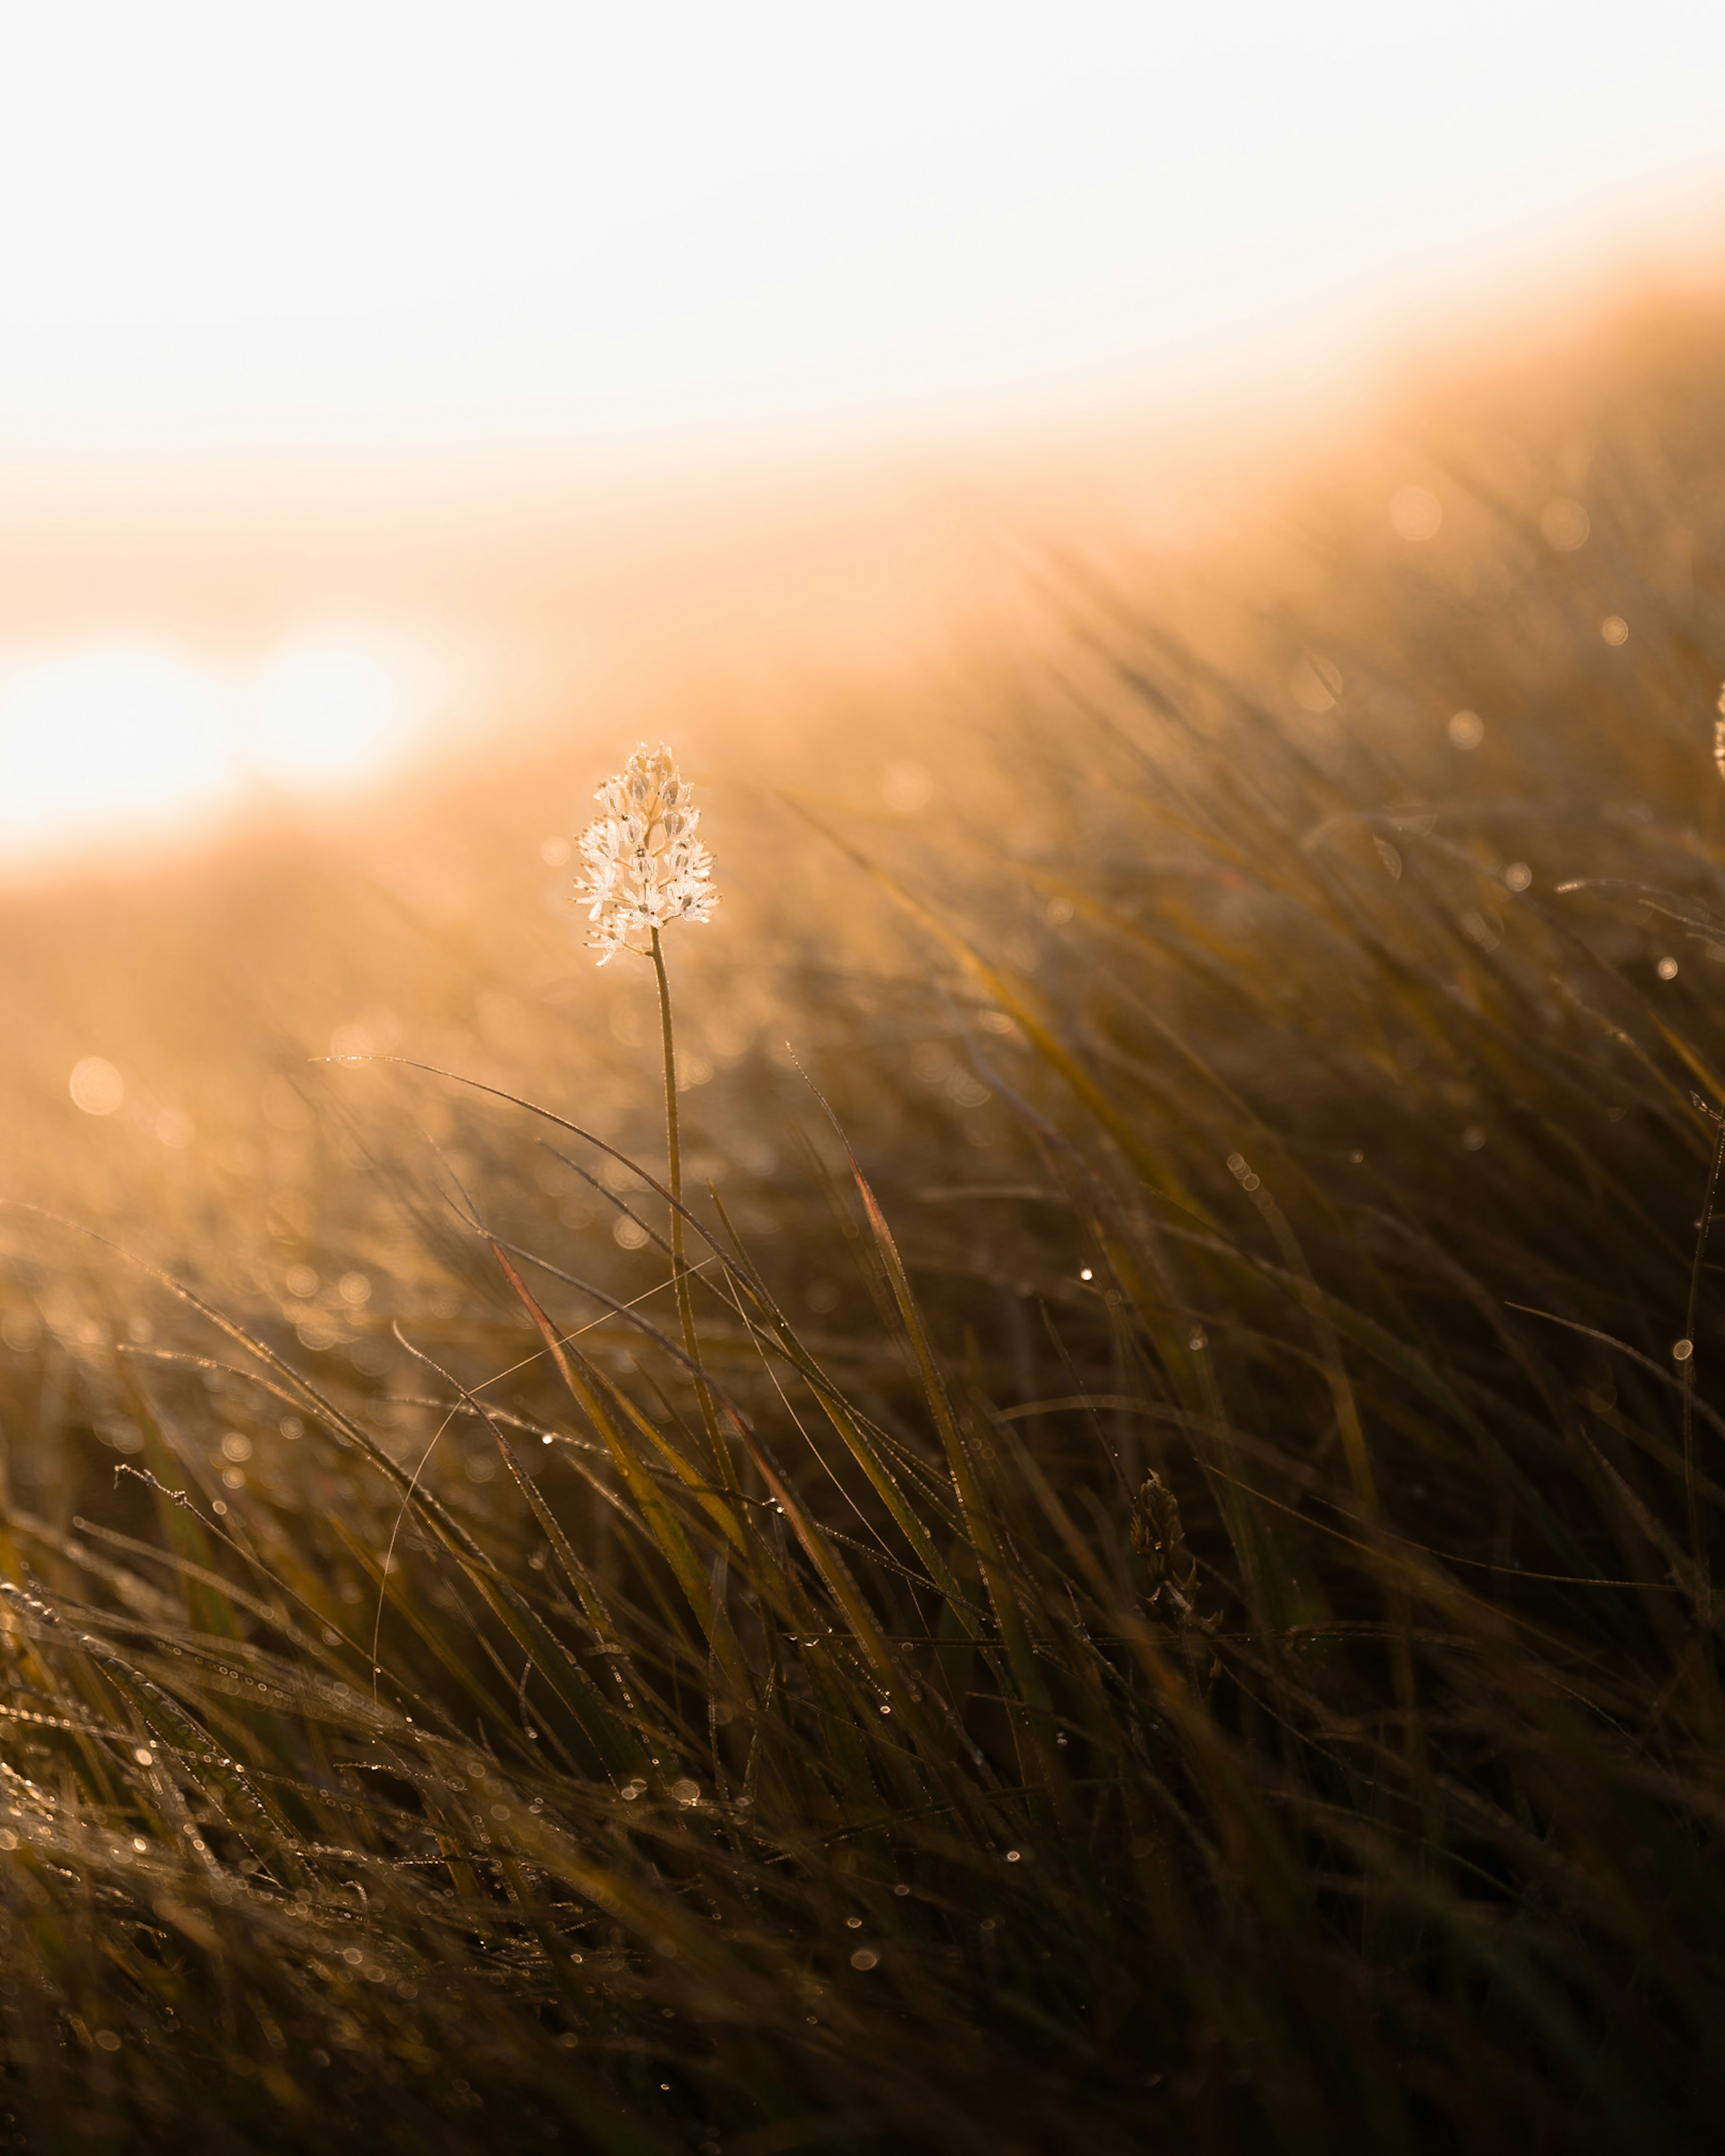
[[679, 1269]]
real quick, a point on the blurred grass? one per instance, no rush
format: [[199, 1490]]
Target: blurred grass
[[1204, 1630]]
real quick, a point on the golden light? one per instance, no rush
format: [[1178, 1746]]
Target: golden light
[[118, 732], [96, 1086], [336, 704], [274, 250], [106, 731]]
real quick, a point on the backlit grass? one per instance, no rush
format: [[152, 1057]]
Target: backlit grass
[[1168, 1597]]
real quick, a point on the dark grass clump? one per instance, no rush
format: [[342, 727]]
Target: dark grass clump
[[1167, 1596]]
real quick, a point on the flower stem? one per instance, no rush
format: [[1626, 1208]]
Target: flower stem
[[679, 1269], [1698, 1538]]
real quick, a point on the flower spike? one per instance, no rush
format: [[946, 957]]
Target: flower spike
[[644, 866]]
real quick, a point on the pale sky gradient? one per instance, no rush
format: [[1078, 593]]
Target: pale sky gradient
[[374, 259], [617, 230]]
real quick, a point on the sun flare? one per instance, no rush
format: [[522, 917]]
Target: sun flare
[[134, 731]]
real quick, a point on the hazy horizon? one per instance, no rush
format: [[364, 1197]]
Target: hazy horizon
[[404, 378]]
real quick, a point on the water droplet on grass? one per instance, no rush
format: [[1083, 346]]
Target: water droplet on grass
[[1467, 729]]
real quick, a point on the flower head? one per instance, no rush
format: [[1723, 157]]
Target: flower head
[[643, 864], [1719, 736]]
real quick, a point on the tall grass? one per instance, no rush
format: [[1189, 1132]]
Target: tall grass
[[1178, 1606]]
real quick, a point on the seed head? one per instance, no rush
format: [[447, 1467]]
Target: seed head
[[643, 866], [1160, 1539]]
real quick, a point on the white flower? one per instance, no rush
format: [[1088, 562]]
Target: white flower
[[643, 864]]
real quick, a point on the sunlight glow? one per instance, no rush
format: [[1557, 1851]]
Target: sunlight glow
[[130, 732], [332, 705], [126, 729]]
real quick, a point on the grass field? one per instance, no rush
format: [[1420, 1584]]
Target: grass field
[[1165, 1597]]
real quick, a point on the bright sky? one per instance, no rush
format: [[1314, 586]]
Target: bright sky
[[633, 226], [236, 236]]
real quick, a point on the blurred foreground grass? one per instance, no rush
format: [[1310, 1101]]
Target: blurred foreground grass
[[1187, 1618]]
